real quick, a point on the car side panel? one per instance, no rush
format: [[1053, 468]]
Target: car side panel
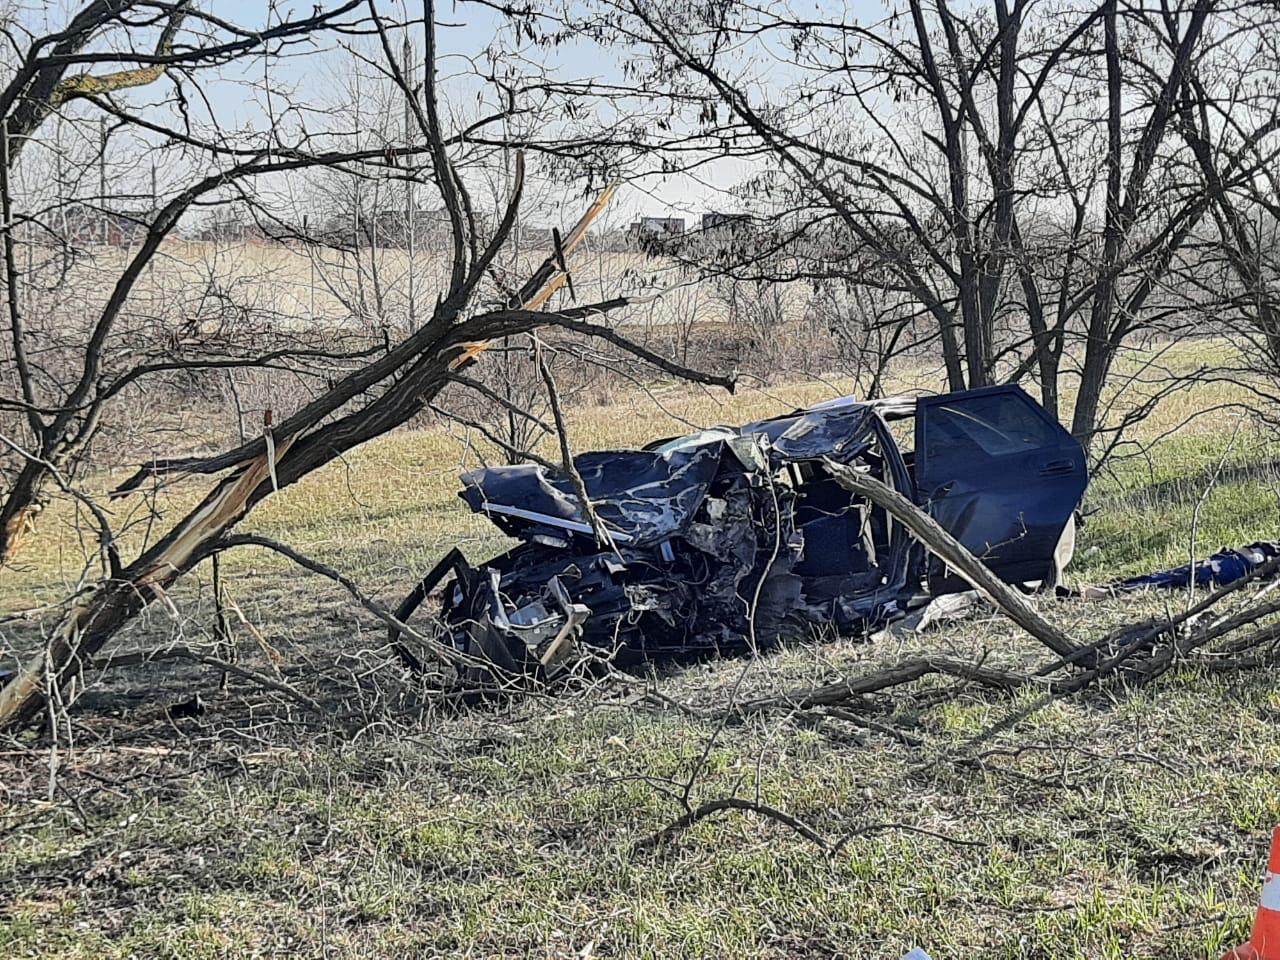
[[999, 474]]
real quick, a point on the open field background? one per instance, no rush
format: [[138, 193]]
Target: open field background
[[1098, 827], [219, 221], [308, 284]]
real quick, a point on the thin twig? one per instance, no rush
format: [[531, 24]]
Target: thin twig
[[186, 653]]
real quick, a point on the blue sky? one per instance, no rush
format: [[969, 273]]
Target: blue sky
[[241, 99], [463, 29]]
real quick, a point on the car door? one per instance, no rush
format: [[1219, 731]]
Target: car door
[[1001, 475]]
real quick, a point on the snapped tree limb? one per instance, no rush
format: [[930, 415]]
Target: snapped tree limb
[[943, 545]]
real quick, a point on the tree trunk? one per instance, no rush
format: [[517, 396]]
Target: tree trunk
[[101, 613], [18, 512]]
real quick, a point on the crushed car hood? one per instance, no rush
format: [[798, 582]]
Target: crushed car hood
[[838, 429], [642, 497], [647, 496]]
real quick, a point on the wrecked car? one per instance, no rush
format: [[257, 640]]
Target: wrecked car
[[732, 537]]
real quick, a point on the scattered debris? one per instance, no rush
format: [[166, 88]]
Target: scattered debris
[[1255, 561], [1225, 566], [944, 609], [731, 537]]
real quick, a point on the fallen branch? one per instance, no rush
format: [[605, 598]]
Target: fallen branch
[[186, 653], [954, 554], [906, 827], [712, 807], [846, 689], [1153, 631], [893, 733], [444, 653]]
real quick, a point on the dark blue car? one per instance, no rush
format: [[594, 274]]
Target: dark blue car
[[735, 536]]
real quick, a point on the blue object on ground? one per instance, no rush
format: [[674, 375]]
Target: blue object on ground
[[1225, 566]]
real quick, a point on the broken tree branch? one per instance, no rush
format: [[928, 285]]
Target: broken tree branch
[[226, 666], [712, 807], [602, 535], [904, 672], [953, 553], [444, 653]]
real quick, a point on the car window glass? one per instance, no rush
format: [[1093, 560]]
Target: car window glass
[[995, 425]]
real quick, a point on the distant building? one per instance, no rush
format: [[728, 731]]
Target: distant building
[[533, 237], [87, 224], [231, 229], [716, 221], [390, 227], [657, 229]]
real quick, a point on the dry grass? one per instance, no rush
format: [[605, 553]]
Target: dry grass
[[1101, 827], [312, 284]]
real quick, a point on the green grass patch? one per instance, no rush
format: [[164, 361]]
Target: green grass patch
[[1131, 826]]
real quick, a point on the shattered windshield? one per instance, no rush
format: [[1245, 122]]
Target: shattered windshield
[[710, 435]]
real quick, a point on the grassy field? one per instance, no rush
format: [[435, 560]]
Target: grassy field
[[1131, 825]]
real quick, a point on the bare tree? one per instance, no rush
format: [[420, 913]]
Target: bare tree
[[1229, 118], [367, 392], [1008, 178], [65, 369]]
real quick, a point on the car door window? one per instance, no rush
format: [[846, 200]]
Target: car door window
[[995, 425]]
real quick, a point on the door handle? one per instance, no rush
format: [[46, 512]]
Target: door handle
[[1057, 468]]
